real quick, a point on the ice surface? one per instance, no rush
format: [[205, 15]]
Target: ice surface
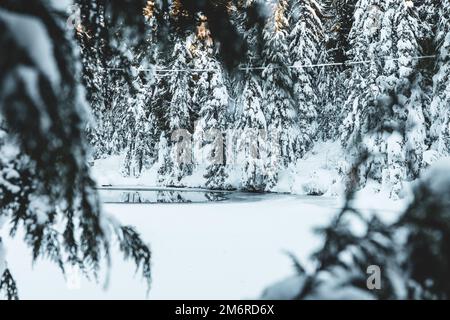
[[229, 250]]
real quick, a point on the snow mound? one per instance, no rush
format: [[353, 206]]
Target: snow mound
[[319, 171], [107, 172]]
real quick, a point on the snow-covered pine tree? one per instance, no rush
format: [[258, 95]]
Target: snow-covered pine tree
[[132, 87], [177, 117], [45, 186], [202, 51], [140, 126], [384, 112], [210, 100], [337, 20], [440, 114], [165, 162], [361, 85], [428, 11], [139, 151], [214, 117], [250, 130], [409, 45], [306, 40], [282, 119], [338, 17], [403, 79], [91, 31]]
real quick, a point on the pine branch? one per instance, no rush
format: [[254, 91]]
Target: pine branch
[[8, 286]]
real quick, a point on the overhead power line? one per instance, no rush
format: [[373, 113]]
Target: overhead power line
[[295, 66]]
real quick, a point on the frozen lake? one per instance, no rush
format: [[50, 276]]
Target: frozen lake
[[227, 249]]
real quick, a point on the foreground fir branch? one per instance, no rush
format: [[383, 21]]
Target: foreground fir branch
[[8, 286], [46, 193]]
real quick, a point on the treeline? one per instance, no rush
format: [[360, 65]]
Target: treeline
[[372, 74]]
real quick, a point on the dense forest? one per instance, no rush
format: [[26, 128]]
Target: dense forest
[[372, 75]]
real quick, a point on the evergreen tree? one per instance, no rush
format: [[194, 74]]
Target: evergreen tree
[[386, 93], [440, 127], [115, 37], [361, 84], [280, 112], [211, 101], [91, 31], [405, 78], [428, 11], [177, 117], [338, 21], [306, 39], [165, 162], [139, 153], [214, 115], [252, 131], [139, 123], [412, 251]]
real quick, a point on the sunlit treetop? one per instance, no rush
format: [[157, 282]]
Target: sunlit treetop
[[203, 32], [149, 9], [281, 22], [178, 10]]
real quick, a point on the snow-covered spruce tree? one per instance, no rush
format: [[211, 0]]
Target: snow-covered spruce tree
[[279, 107], [139, 151], [306, 40], [165, 162], [338, 17], [214, 116], [330, 85], [440, 114], [140, 126], [177, 117], [91, 32], [337, 20], [361, 85], [45, 186], [384, 111], [210, 98], [404, 78], [250, 131], [343, 260], [428, 11]]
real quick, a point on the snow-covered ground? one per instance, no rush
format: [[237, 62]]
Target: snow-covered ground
[[220, 250], [318, 172]]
